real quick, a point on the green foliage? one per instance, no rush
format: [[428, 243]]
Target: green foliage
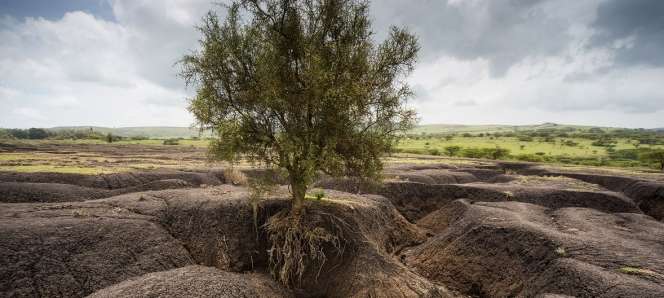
[[604, 142], [318, 195], [529, 157], [171, 142], [301, 85], [37, 133], [490, 153], [4, 134], [570, 143], [452, 150], [654, 156]]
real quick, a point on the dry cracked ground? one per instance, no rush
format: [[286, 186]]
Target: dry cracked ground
[[430, 230]]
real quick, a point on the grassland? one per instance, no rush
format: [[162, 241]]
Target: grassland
[[547, 143], [583, 149]]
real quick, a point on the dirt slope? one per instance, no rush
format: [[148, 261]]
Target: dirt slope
[[196, 281], [498, 249], [74, 249], [514, 230]]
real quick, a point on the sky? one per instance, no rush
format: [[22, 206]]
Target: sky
[[113, 62]]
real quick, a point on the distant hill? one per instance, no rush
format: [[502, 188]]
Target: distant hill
[[455, 128], [162, 132], [157, 132]]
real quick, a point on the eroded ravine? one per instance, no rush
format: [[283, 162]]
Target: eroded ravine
[[435, 231]]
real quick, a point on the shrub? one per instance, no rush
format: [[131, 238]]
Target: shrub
[[434, 152], [654, 156], [37, 133], [570, 143], [529, 157], [4, 134], [452, 150], [171, 142], [472, 153]]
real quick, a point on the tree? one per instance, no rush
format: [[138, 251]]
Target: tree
[[37, 133], [497, 153], [656, 156], [452, 150], [109, 138], [302, 86]]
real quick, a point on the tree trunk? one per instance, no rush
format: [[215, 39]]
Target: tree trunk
[[299, 189]]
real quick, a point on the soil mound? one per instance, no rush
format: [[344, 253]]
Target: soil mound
[[416, 200], [499, 249], [27, 192], [196, 281], [369, 266], [74, 249], [433, 176], [116, 180], [647, 195], [220, 232]]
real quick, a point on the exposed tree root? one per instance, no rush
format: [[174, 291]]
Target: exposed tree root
[[298, 244]]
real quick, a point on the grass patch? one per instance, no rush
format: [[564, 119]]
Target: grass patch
[[639, 271], [61, 169]]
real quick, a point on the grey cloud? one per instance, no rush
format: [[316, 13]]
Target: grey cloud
[[502, 31], [642, 21], [162, 32]]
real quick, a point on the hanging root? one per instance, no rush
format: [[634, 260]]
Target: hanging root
[[298, 244]]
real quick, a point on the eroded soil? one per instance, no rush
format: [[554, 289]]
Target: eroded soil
[[430, 230]]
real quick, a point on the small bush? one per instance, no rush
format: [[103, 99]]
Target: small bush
[[171, 142], [529, 157], [452, 150]]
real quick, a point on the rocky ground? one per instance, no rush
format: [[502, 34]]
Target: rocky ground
[[430, 230]]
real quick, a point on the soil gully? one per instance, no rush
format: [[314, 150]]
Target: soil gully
[[429, 231]]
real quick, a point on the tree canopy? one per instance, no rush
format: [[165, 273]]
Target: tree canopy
[[301, 85], [656, 156]]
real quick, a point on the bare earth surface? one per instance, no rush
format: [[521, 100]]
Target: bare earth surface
[[434, 228]]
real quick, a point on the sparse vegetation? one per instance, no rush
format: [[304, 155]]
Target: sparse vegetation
[[171, 142], [639, 271], [552, 144], [654, 156]]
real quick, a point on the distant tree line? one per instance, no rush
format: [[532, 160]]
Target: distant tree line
[[600, 136], [641, 155], [62, 134]]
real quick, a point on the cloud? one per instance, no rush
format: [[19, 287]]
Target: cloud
[[482, 61], [81, 69], [635, 28], [503, 32]]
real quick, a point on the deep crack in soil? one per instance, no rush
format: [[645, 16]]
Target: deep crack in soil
[[503, 230]]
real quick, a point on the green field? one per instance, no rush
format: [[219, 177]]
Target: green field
[[459, 128], [583, 149], [547, 143]]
